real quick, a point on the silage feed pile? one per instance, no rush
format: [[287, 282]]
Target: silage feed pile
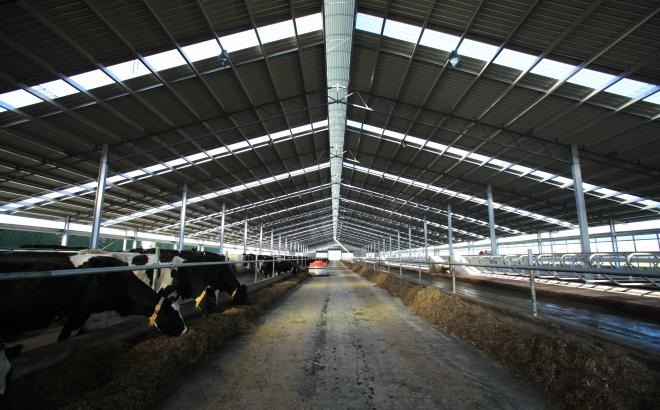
[[129, 375], [572, 370]]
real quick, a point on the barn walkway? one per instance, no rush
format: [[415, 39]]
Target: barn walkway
[[339, 342]]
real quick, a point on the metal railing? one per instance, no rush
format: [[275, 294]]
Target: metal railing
[[634, 269], [115, 269]]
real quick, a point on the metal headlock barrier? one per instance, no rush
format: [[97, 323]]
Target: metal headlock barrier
[[115, 269], [629, 270]]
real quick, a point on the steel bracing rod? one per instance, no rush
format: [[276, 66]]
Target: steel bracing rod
[[444, 189], [491, 221], [76, 47], [427, 208], [269, 215], [410, 60], [528, 177], [272, 79], [401, 215], [252, 205], [124, 201], [179, 98]]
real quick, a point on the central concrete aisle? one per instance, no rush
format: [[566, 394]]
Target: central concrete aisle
[[339, 342]]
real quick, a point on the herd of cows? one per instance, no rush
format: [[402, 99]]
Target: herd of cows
[[34, 304]]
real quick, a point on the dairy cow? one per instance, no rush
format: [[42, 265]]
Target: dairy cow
[[204, 283], [32, 304]]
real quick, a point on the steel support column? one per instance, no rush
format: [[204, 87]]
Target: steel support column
[[491, 221], [98, 201], [580, 204], [65, 232], [182, 218], [222, 230], [245, 228]]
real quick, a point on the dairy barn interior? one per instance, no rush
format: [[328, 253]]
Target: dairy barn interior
[[406, 204]]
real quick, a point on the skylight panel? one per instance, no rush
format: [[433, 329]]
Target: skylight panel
[[19, 98], [590, 78], [354, 124], [630, 88], [280, 134], [202, 51], [477, 49], [515, 59], [394, 134], [302, 128], [277, 31], [175, 162], [259, 140], [167, 59], [55, 89], [553, 69], [92, 79], [308, 24], [439, 40], [129, 69], [436, 146], [401, 31], [238, 145], [415, 140], [371, 128], [369, 23], [654, 98], [239, 41]]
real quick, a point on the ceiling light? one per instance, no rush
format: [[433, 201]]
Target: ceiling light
[[454, 58]]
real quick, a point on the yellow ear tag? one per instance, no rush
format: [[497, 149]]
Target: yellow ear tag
[[199, 299], [154, 316]]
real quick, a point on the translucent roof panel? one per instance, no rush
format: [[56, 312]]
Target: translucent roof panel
[[129, 69], [55, 89], [92, 79], [277, 31], [202, 51], [439, 40], [515, 59], [553, 69], [165, 60], [309, 24], [477, 49], [402, 31], [367, 22], [630, 88], [591, 78], [239, 41], [655, 98], [19, 98]]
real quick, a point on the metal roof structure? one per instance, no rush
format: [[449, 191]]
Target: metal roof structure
[[232, 98]]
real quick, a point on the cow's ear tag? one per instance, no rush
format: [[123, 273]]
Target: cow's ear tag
[[199, 299]]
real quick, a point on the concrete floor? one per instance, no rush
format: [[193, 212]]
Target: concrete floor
[[339, 342]]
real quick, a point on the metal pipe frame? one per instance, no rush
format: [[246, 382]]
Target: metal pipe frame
[[98, 201]]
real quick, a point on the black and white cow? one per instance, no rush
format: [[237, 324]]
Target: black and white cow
[[204, 283], [6, 355], [32, 304]]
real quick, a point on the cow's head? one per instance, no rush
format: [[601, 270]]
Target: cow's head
[[167, 318], [206, 301], [6, 354], [239, 296]]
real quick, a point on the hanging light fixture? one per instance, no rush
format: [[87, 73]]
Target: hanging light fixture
[[454, 58]]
